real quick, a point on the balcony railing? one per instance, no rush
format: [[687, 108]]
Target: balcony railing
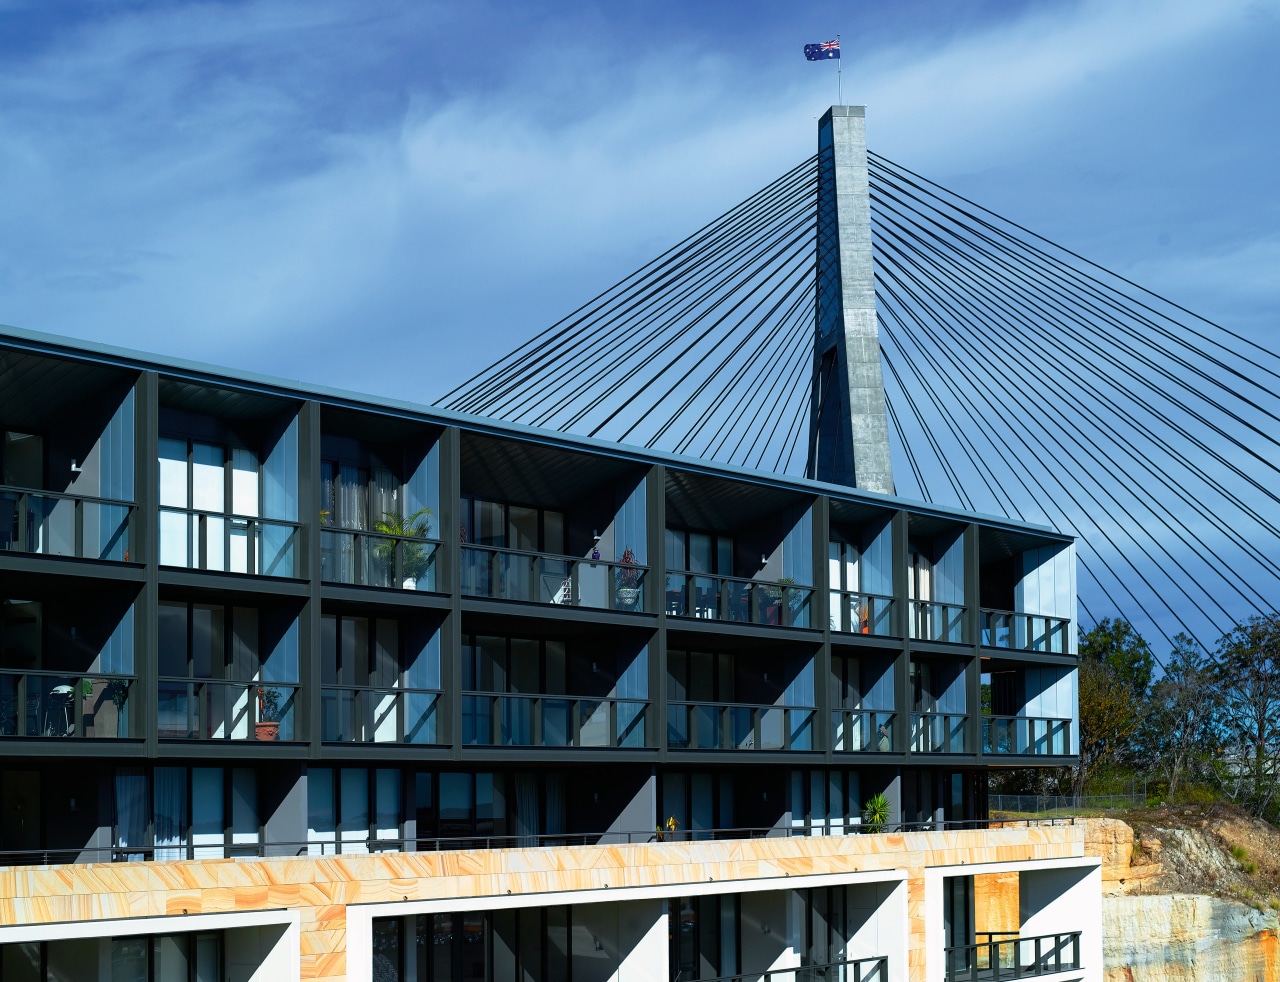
[[1013, 958], [859, 970], [727, 598], [862, 613], [535, 577], [1024, 632], [738, 726], [50, 524], [521, 720], [864, 731], [58, 704], [933, 621], [1026, 735], [938, 733], [212, 709], [372, 559], [369, 715], [228, 543]]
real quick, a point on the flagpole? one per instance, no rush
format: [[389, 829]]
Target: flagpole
[[839, 68]]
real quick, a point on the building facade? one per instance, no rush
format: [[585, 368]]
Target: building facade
[[307, 684]]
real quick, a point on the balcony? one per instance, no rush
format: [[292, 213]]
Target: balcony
[[45, 523], [58, 704], [1026, 735], [534, 577], [932, 621], [862, 613], [862, 731], [520, 720], [938, 733], [368, 715], [728, 598], [1024, 632], [211, 709], [1001, 957], [739, 726], [396, 562], [228, 543]]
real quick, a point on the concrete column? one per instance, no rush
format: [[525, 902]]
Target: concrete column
[[848, 428]]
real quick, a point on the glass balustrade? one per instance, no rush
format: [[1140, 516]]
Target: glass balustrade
[[938, 733], [59, 704], [510, 574], [49, 524], [739, 726], [1024, 632], [862, 731], [932, 621], [862, 613], [726, 598], [1026, 735], [213, 709], [228, 543], [373, 559], [369, 715], [1001, 957], [519, 720]]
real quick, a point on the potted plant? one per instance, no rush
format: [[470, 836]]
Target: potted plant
[[415, 557], [667, 828], [269, 713], [628, 574], [875, 812]]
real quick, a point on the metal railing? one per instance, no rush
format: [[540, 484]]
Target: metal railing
[[1027, 735], [1043, 803], [1024, 632], [359, 558], [938, 733], [729, 598], [541, 720], [214, 709], [739, 726], [933, 621], [331, 844], [862, 613], [61, 704], [862, 730], [364, 714], [536, 577], [48, 523], [226, 543], [1014, 958], [855, 970]]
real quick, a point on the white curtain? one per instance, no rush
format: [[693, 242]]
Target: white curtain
[[171, 813]]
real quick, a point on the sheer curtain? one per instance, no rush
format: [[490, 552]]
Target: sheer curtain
[[171, 813], [131, 812]]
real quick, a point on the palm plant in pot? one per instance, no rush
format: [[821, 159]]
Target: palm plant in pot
[[415, 557], [270, 712], [628, 580]]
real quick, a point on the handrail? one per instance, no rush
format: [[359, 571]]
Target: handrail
[[927, 737], [232, 720], [625, 723], [294, 847], [736, 599], [1019, 631], [61, 711], [742, 705], [402, 716], [226, 542], [1026, 735], [949, 628], [1013, 958], [850, 735], [230, 516], [873, 969], [740, 726], [411, 564], [66, 495], [878, 620], [559, 557]]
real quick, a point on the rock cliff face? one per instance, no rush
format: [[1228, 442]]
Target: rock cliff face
[[1155, 930]]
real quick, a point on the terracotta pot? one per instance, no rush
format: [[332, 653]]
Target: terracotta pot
[[266, 731]]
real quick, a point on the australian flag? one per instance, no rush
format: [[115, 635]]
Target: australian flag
[[823, 51]]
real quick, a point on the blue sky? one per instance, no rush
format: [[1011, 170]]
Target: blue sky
[[387, 196]]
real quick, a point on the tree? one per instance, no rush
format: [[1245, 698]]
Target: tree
[[1248, 676], [1116, 643], [1116, 666], [1185, 704]]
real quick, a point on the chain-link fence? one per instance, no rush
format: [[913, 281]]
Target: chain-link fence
[[1039, 804]]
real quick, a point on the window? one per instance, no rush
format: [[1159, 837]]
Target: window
[[194, 813], [352, 810], [508, 526]]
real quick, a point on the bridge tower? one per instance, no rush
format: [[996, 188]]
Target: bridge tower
[[848, 423]]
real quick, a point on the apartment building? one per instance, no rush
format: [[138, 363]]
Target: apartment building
[[309, 684]]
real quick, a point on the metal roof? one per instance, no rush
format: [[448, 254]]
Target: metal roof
[[252, 382]]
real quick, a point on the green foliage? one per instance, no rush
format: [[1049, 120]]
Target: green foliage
[[1239, 854], [875, 812], [1115, 643], [415, 559]]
